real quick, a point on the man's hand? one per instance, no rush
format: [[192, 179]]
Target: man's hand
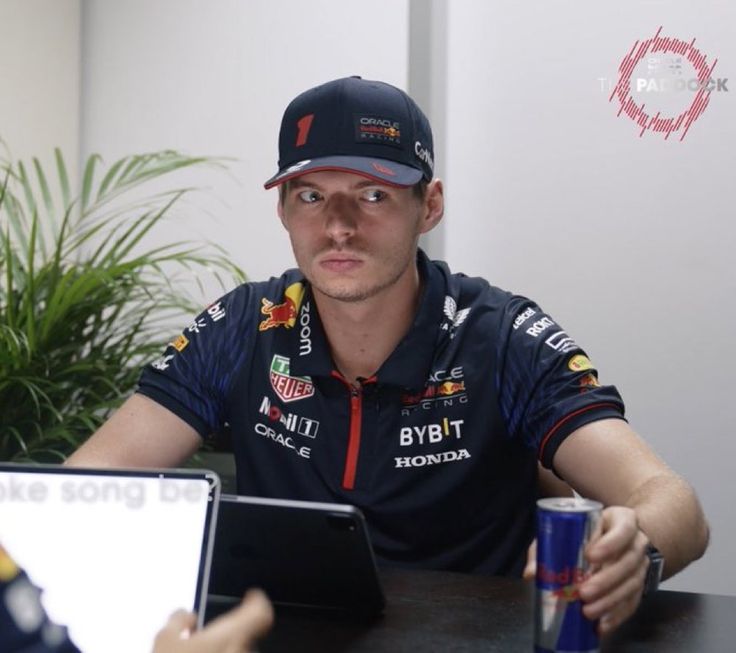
[[234, 632], [530, 570], [617, 555]]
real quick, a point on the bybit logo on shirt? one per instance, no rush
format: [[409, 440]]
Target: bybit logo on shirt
[[431, 433]]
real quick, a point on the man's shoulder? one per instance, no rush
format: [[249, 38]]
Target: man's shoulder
[[475, 289], [272, 287], [282, 283], [466, 295], [239, 312]]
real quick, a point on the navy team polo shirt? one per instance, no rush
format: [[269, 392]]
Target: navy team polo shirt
[[438, 448]]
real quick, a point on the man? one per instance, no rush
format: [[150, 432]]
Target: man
[[373, 376]]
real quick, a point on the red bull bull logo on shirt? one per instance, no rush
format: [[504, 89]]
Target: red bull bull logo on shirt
[[285, 313]]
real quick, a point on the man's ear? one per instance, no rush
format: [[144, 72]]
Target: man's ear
[[280, 211], [433, 206]]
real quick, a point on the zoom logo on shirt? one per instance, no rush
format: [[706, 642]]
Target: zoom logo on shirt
[[305, 330]]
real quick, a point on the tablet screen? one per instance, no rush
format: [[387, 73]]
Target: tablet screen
[[114, 552]]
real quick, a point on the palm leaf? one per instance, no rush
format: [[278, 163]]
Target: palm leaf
[[83, 297], [66, 193]]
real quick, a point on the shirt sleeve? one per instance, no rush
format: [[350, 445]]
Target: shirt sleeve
[[195, 372], [548, 387]]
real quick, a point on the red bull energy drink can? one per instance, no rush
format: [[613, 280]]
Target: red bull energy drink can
[[564, 527]]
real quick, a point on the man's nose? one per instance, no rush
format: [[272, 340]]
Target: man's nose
[[340, 223]]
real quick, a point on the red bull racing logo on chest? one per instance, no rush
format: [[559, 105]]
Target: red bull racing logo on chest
[[437, 391], [285, 313], [443, 388], [287, 387]]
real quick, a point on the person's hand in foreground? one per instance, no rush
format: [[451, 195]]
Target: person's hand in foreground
[[617, 557], [233, 632]]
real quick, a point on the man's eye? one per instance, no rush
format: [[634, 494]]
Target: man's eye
[[309, 196], [373, 195]]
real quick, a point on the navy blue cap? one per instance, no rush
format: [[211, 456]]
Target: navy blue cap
[[355, 125]]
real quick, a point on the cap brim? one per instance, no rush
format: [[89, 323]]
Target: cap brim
[[382, 170]]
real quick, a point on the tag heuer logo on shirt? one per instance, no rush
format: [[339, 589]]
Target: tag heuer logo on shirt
[[289, 388]]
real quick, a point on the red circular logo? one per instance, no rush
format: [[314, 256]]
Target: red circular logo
[[671, 59]]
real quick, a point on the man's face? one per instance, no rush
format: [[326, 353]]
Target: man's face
[[353, 237]]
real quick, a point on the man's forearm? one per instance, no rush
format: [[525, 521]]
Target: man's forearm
[[670, 515]]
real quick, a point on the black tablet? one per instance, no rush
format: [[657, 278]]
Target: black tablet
[[301, 553]]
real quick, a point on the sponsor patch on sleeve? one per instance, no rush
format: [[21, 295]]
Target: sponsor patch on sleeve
[[580, 363], [180, 342]]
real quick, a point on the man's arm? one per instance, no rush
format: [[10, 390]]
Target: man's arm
[[607, 461], [551, 485], [142, 433]]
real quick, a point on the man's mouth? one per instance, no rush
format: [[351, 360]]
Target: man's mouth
[[340, 262]]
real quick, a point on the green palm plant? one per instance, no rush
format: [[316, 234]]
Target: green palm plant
[[83, 301]]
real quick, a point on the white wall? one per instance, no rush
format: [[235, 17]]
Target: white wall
[[39, 69], [627, 241]]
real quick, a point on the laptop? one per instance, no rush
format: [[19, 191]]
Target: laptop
[[114, 552], [305, 554]]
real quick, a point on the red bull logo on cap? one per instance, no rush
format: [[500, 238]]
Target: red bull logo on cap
[[285, 313]]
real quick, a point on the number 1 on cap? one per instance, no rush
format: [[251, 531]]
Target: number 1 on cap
[[303, 125]]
